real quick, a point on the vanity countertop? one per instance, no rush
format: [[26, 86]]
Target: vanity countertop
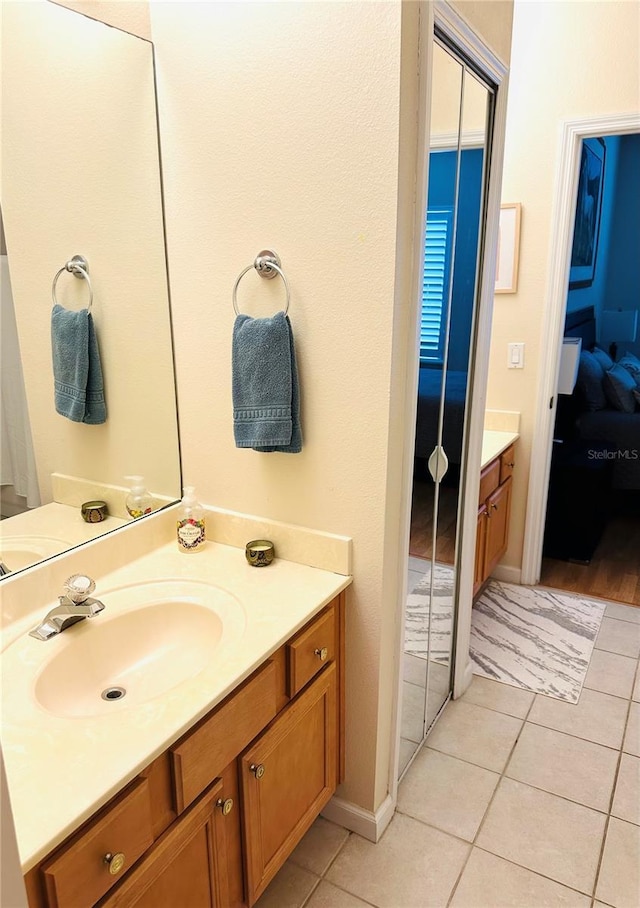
[[494, 443], [62, 769]]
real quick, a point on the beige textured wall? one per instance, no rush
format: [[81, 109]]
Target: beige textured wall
[[87, 181], [492, 20], [130, 15], [280, 127], [591, 65]]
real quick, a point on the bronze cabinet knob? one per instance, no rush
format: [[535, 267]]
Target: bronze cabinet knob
[[321, 653], [257, 769], [225, 805]]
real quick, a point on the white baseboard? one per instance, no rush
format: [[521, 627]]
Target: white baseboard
[[366, 823], [465, 678], [507, 573]]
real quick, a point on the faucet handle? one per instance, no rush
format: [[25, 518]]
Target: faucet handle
[[79, 587]]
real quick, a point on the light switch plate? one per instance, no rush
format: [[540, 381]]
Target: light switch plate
[[515, 356]]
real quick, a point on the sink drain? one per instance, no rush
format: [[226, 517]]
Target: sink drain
[[113, 693]]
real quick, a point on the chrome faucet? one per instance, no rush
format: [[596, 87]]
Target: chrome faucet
[[74, 605]]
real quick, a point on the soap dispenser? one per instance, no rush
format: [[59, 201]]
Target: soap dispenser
[[191, 523], [138, 502]]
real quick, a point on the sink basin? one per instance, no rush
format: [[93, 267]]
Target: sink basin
[[150, 638], [22, 551]]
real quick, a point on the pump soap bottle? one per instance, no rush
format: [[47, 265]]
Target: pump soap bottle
[[191, 523], [138, 502]]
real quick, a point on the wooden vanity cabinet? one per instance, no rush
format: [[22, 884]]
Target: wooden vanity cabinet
[[287, 776], [494, 509], [210, 822]]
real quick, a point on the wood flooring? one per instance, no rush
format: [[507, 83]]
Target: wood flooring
[[614, 571], [422, 522]]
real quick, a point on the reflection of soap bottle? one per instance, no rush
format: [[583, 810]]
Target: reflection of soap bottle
[[138, 501], [191, 526]]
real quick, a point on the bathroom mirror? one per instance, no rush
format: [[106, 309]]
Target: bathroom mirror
[[81, 176]]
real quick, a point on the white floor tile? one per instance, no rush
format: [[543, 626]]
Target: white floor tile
[[513, 701], [319, 846], [626, 802], [545, 833], [619, 637], [475, 734], [597, 717], [611, 673], [623, 612], [411, 865], [290, 888], [632, 735], [329, 896], [619, 878], [570, 767], [447, 793], [491, 882]]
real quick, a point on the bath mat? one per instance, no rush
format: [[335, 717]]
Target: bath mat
[[540, 640], [417, 615], [528, 637]]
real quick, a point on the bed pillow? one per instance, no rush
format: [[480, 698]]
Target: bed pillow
[[590, 378], [619, 387], [603, 358], [632, 364]]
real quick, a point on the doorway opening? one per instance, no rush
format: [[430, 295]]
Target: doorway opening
[[592, 523]]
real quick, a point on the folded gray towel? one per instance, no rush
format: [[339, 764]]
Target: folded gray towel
[[266, 402], [77, 373]]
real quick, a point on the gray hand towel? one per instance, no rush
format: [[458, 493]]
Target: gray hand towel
[[77, 372], [266, 401]]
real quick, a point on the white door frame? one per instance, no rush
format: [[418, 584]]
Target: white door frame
[[573, 132]]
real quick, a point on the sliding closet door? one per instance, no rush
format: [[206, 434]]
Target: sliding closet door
[[460, 111], [469, 161]]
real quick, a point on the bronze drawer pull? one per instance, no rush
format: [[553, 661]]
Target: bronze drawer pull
[[511, 464], [494, 506], [115, 862], [322, 653]]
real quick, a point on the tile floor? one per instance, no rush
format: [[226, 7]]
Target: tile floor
[[515, 801]]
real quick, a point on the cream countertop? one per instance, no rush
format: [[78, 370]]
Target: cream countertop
[[62, 769], [494, 443], [47, 531]]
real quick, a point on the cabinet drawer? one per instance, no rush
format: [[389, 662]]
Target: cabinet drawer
[[489, 480], [204, 752], [311, 649], [507, 463], [79, 875]]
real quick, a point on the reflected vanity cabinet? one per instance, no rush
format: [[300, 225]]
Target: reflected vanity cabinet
[[210, 822], [494, 508]]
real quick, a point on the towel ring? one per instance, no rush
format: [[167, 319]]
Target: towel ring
[[78, 266], [267, 264]]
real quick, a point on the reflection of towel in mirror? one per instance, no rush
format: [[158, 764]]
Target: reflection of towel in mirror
[[266, 401], [77, 373]]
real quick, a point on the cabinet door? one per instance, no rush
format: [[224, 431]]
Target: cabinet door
[[186, 867], [481, 543], [498, 507], [287, 776]]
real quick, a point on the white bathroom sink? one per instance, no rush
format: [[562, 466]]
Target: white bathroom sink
[[150, 638], [19, 552]]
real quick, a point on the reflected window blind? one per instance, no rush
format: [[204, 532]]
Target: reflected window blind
[[435, 283]]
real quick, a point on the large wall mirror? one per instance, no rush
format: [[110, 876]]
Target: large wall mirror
[[81, 176], [459, 131]]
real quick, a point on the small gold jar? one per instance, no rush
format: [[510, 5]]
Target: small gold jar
[[259, 552], [94, 511]]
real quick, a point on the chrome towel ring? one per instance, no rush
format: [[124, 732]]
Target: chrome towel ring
[[78, 266], [267, 264]]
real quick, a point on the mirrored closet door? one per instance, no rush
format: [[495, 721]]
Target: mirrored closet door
[[461, 108]]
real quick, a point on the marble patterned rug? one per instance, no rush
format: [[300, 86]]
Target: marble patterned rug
[[537, 639]]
